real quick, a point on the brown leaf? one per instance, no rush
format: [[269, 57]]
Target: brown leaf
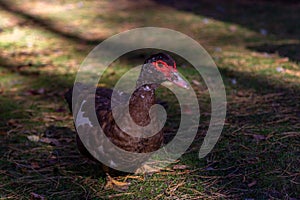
[[33, 138]]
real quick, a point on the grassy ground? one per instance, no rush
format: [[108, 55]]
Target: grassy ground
[[255, 45]]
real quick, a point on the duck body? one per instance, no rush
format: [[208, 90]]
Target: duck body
[[156, 69], [140, 103]]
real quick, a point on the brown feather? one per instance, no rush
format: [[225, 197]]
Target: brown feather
[[139, 105]]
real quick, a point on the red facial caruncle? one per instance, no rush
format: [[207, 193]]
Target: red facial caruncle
[[164, 67], [170, 73]]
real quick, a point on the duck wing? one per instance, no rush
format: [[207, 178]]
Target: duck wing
[[103, 107]]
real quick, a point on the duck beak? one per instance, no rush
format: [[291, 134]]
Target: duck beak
[[178, 80]]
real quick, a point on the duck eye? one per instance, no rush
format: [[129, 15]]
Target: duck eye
[[160, 65]]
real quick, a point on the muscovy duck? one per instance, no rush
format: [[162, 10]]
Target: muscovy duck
[[157, 68]]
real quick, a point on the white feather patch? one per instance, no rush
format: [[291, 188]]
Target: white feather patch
[[112, 163], [80, 119], [100, 149], [147, 88]]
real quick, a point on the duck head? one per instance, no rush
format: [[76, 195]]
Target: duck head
[[159, 68]]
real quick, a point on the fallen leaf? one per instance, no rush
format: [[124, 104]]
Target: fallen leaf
[[33, 138]]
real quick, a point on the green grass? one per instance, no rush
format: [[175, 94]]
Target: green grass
[[257, 155]]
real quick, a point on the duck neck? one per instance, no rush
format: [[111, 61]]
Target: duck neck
[[140, 103]]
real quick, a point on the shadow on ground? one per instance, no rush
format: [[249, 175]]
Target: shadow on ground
[[278, 19], [291, 51]]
